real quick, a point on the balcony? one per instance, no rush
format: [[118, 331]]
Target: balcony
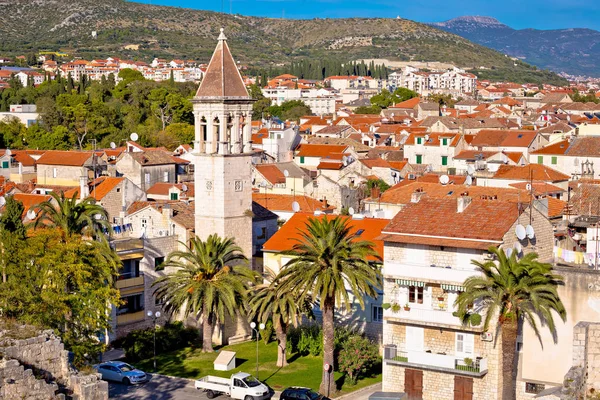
[[130, 318], [476, 367], [127, 245], [128, 280], [428, 317], [435, 273]]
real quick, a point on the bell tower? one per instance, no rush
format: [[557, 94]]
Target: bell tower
[[223, 152]]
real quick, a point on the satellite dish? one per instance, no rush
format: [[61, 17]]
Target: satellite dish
[[295, 206], [426, 137], [470, 170], [469, 181], [520, 232], [7, 152], [345, 160], [351, 211], [509, 251], [530, 232], [518, 247], [504, 158], [528, 186], [2, 201], [31, 214], [113, 145], [184, 187], [444, 179], [134, 136], [263, 184]]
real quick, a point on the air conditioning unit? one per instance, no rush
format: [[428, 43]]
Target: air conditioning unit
[[486, 336], [163, 232]]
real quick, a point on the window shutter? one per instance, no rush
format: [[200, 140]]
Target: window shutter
[[460, 343], [469, 343]]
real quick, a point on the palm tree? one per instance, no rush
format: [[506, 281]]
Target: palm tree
[[330, 263], [209, 282], [515, 291], [271, 301], [73, 217]]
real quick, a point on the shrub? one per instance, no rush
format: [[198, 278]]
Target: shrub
[[139, 344], [358, 356], [305, 340]]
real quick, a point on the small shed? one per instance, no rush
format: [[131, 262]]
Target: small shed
[[225, 361]]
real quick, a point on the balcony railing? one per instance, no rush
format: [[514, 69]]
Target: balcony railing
[[426, 316], [127, 245], [444, 273], [476, 366], [131, 317], [128, 280]]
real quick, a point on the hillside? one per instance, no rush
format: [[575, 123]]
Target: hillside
[[141, 31], [574, 51]]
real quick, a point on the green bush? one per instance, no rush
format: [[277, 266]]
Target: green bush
[[358, 356], [305, 340], [139, 344]]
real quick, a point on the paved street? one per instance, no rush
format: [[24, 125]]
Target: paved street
[[159, 388]]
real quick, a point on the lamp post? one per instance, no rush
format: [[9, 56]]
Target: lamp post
[[253, 326], [154, 316]]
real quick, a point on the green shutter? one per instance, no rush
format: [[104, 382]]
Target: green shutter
[[173, 196], [419, 140], [444, 160], [419, 159], [302, 160], [4, 164], [445, 142], [540, 159], [554, 160]]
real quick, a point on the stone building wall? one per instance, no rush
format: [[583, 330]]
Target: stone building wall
[[44, 353]]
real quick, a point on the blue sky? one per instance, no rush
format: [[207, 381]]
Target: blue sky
[[540, 14]]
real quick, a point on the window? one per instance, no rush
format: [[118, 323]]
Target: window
[[419, 159], [444, 160], [238, 186], [54, 172], [444, 141], [144, 223], [4, 164], [534, 388], [415, 294], [554, 160], [419, 140], [174, 196], [464, 344], [118, 190], [131, 304], [301, 159], [147, 178], [263, 233], [158, 263], [166, 176], [377, 314], [540, 159]]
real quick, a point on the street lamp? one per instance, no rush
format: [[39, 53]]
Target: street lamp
[[154, 316], [253, 326]]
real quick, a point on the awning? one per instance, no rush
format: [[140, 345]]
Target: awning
[[454, 288], [406, 282]]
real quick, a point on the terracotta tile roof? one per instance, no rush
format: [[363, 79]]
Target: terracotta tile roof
[[348, 142], [374, 162], [407, 104], [289, 234], [222, 77], [183, 213], [514, 156], [162, 188], [271, 173], [402, 194], [257, 138], [65, 158], [30, 200], [105, 187], [536, 172], [22, 157], [559, 127], [538, 188], [152, 157], [283, 202], [584, 146], [319, 150], [398, 165], [558, 148], [340, 130], [486, 220], [503, 138], [330, 165], [585, 199], [556, 207]]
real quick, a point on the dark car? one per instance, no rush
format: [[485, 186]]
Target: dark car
[[301, 393]]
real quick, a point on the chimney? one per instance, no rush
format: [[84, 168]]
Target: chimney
[[417, 195], [83, 188], [462, 203], [375, 192], [167, 211]]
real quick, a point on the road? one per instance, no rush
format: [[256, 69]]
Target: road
[[159, 387]]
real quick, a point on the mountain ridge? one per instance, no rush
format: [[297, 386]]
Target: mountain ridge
[[575, 51]]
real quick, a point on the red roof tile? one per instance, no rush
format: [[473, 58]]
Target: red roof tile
[[65, 158], [283, 202], [271, 173], [105, 187], [319, 150], [536, 172]]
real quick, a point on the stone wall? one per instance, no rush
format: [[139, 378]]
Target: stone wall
[[45, 355]]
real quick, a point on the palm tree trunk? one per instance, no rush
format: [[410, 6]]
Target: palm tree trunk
[[328, 384], [281, 333], [509, 359], [207, 332]]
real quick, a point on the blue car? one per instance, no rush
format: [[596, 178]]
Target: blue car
[[119, 371]]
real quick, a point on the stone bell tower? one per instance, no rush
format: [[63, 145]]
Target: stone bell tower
[[223, 152]]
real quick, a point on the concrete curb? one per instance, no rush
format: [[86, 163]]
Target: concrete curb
[[359, 391]]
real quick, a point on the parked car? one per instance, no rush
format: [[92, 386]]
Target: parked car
[[119, 371], [301, 393], [241, 386]]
